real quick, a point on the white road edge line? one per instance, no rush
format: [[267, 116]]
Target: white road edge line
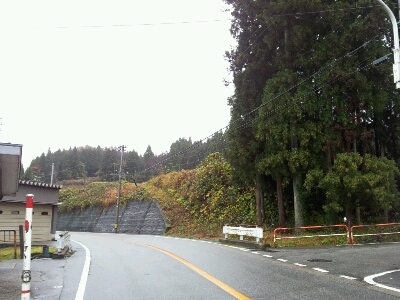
[[370, 280], [85, 272], [300, 265], [348, 277], [320, 270], [266, 255]]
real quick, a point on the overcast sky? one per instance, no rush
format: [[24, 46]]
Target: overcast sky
[[111, 73]]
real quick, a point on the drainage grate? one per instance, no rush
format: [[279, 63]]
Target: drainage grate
[[319, 260]]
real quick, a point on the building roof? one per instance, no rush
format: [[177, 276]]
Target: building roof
[[24, 201], [44, 193], [39, 184]]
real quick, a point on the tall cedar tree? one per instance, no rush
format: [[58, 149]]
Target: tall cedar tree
[[249, 64], [305, 62]]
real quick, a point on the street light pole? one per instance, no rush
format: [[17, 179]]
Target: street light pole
[[399, 7], [122, 149], [396, 50]]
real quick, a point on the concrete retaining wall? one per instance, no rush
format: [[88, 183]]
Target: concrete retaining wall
[[137, 217]]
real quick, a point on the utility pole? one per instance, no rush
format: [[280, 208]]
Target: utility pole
[[52, 174], [122, 149], [396, 49]]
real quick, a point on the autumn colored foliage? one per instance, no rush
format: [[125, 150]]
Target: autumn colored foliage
[[191, 199]]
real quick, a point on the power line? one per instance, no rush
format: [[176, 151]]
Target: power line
[[269, 113], [169, 23], [295, 14], [131, 24], [326, 11], [289, 103], [306, 79], [212, 20]]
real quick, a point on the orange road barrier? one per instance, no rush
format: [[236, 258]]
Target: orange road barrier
[[311, 236], [372, 234]]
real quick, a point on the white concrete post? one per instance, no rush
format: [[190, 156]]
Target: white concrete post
[[26, 271]]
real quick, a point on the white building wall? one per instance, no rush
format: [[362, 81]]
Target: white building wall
[[13, 214]]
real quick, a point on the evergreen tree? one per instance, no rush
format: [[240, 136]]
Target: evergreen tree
[[249, 64], [132, 164], [302, 66], [107, 167], [179, 153]]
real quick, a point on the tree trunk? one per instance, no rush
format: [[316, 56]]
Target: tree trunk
[[263, 180], [259, 218], [298, 209], [393, 138], [348, 214], [385, 210], [385, 215], [281, 207], [328, 158], [298, 214], [358, 209]]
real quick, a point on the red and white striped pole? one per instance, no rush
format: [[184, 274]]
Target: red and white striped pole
[[26, 271]]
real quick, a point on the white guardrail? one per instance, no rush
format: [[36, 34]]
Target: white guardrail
[[241, 231], [63, 240]]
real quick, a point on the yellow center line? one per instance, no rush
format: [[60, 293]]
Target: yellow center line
[[214, 280]]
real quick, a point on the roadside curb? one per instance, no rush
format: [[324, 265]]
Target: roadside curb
[[246, 244]]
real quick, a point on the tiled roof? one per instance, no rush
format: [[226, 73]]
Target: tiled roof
[[39, 184]]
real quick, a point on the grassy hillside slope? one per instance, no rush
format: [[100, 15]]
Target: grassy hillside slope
[[196, 203]]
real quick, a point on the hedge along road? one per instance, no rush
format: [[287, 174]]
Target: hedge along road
[[155, 267]]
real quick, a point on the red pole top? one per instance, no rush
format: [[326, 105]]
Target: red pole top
[[29, 201]]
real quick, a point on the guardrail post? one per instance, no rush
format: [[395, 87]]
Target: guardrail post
[[21, 241], [275, 236], [63, 240], [60, 242], [15, 244], [26, 271]]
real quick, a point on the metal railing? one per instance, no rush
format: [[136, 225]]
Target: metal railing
[[311, 236], [379, 234], [243, 230], [6, 239]]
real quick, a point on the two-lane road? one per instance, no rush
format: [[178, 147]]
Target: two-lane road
[[154, 267]]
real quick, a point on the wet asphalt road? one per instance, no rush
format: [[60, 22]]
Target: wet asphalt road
[[154, 267]]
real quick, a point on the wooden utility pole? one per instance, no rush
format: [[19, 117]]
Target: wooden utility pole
[[122, 149]]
